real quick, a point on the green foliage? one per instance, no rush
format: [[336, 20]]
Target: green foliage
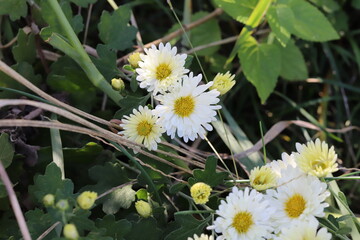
[[128, 103], [113, 228], [24, 51], [6, 150], [240, 10], [15, 8], [209, 174], [120, 198], [114, 29], [145, 227], [38, 222], [187, 226], [261, 64], [106, 63]]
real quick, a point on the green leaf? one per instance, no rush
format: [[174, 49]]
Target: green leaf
[[355, 4], [129, 103], [240, 10], [305, 21], [6, 150], [187, 227], [106, 63], [209, 174], [293, 66], [81, 220], [83, 3], [67, 76], [343, 198], [174, 189], [327, 5], [51, 183], [15, 8], [145, 228], [38, 222], [261, 64], [281, 33], [115, 229], [24, 51], [344, 230], [120, 198], [114, 29], [142, 194]]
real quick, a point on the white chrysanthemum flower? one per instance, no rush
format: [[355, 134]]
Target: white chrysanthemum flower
[[298, 200], [188, 110], [278, 165], [159, 69], [223, 82], [304, 231], [202, 237], [245, 215], [262, 178], [316, 158], [141, 128]]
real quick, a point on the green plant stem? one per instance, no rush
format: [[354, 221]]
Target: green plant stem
[[83, 58], [56, 145], [252, 22], [262, 140]]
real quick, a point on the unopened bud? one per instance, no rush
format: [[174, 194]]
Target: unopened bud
[[62, 205], [48, 200], [70, 232], [143, 208], [117, 84], [86, 199], [134, 60]]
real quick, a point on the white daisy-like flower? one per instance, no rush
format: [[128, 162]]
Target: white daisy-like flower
[[244, 215], [298, 200], [188, 110], [304, 231], [141, 128], [159, 69], [278, 165], [202, 237], [262, 178], [316, 158]]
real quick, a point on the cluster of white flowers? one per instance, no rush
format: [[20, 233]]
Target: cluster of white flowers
[[186, 108], [293, 198]]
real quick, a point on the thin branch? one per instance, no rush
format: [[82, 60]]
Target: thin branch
[[221, 42], [14, 203], [44, 234]]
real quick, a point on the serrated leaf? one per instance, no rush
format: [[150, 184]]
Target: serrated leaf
[[6, 150], [120, 198], [281, 33], [24, 50], [240, 10], [14, 8], [209, 174], [114, 29], [51, 183], [106, 63], [81, 220], [261, 64], [333, 220], [38, 222], [176, 188], [305, 21], [145, 228], [115, 229], [293, 66], [187, 227], [129, 103]]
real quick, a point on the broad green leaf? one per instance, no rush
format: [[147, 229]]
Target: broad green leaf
[[327, 5], [51, 183], [355, 4], [240, 10], [187, 227], [9, 229], [106, 63], [305, 21], [120, 198], [67, 76], [142, 194], [129, 103], [281, 33], [81, 220], [114, 29], [146, 228], [209, 174], [293, 66], [38, 222], [14, 8], [115, 229], [24, 50], [261, 64], [6, 150], [3, 192]]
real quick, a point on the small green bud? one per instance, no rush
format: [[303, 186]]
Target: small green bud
[[62, 204], [117, 84], [86, 199], [134, 59], [70, 232], [48, 200], [143, 208]]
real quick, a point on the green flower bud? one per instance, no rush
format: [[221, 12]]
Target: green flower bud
[[143, 208], [86, 199], [70, 232], [48, 200], [62, 204], [117, 84]]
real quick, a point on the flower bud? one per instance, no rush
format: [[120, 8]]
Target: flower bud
[[134, 60], [200, 192], [86, 199], [223, 82], [143, 208], [70, 232], [62, 204], [48, 200], [117, 84]]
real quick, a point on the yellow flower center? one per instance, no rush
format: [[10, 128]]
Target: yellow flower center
[[144, 128], [184, 106], [295, 206], [319, 163], [163, 71], [242, 222]]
